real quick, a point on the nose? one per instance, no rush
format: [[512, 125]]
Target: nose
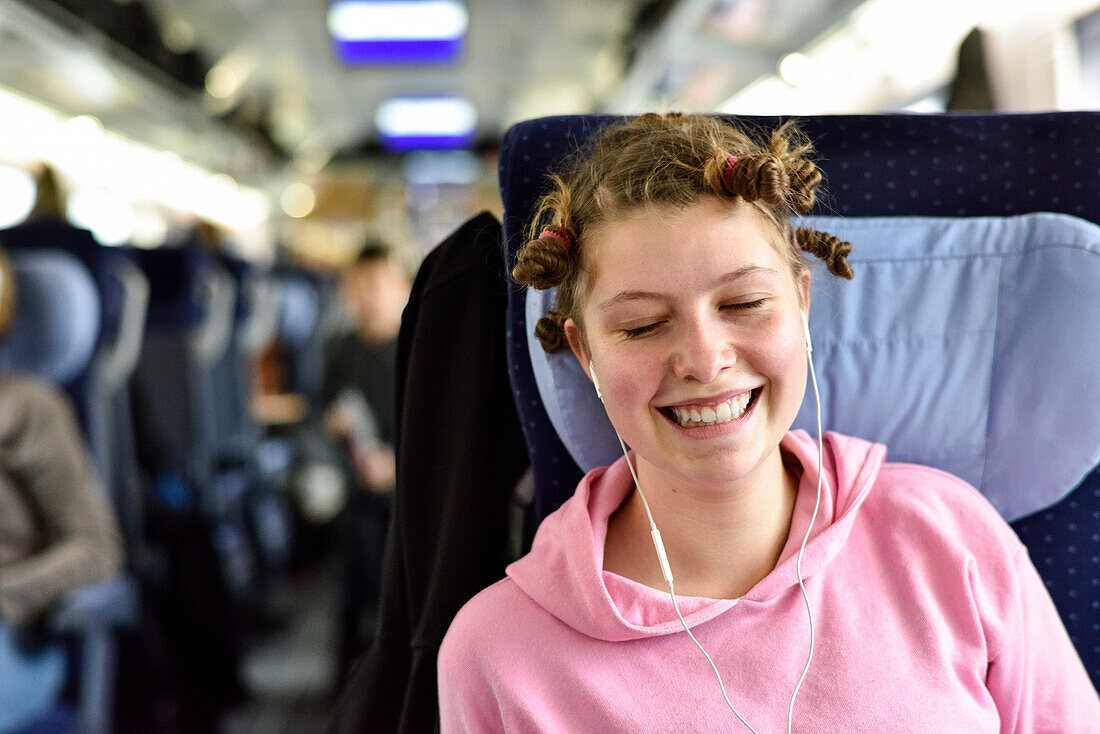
[[702, 351]]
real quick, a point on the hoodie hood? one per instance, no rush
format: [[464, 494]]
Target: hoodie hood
[[564, 573]]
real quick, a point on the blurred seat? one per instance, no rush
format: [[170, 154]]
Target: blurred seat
[[305, 321], [246, 454], [1023, 309], [55, 336]]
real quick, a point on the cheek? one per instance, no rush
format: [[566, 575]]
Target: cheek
[[628, 380], [788, 371]]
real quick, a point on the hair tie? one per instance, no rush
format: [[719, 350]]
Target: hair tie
[[561, 235], [794, 240], [727, 173]]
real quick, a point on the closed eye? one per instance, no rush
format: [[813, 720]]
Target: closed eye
[[746, 306], [640, 331]]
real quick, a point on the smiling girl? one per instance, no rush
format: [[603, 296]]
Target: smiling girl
[[683, 293]]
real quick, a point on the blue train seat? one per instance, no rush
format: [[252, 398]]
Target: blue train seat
[[916, 194], [243, 447], [300, 331], [55, 336], [196, 505]]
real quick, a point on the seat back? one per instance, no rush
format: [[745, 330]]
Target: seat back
[[55, 336], [958, 175]]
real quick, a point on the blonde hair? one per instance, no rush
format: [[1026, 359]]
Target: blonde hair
[[670, 160]]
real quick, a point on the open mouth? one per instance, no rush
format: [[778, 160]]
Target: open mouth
[[698, 416]]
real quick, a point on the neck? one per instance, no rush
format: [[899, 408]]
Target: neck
[[720, 540]]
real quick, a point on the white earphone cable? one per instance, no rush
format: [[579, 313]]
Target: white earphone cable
[[806, 537]]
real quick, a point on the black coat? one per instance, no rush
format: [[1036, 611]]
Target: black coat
[[460, 453]]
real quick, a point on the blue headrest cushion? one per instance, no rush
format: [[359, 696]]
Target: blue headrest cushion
[[968, 344], [56, 319]]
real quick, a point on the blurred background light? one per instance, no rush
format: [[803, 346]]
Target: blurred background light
[[387, 32], [17, 193], [298, 200], [222, 82], [426, 123], [442, 168], [108, 216]]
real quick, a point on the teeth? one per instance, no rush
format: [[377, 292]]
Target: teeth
[[710, 415]]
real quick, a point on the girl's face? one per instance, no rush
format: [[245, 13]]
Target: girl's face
[[693, 326]]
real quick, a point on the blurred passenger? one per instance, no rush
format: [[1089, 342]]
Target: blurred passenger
[[57, 529], [358, 404], [49, 201]]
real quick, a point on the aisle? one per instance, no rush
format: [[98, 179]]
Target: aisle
[[291, 673]]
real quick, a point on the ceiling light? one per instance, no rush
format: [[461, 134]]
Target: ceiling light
[[797, 69], [388, 31], [222, 82], [423, 123], [359, 20]]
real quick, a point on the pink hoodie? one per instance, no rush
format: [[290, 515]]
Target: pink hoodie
[[929, 617]]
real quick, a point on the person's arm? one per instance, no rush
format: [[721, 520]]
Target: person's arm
[[1036, 677], [44, 453]]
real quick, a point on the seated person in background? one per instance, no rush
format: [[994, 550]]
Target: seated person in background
[[358, 402], [57, 528]]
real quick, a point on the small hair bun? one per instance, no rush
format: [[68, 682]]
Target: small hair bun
[[544, 262], [833, 251], [550, 331], [804, 177], [760, 177]]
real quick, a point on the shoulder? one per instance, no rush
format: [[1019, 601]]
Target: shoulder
[[492, 627], [931, 513], [27, 404]]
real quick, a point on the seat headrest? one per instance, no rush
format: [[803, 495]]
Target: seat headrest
[[57, 316], [967, 344]]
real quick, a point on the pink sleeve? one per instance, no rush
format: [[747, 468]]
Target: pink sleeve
[[1036, 678]]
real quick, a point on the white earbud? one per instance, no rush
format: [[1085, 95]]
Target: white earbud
[[595, 381], [806, 332]]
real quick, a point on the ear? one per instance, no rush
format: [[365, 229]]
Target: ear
[[575, 338], [803, 284]]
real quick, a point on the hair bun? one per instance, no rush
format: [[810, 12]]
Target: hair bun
[[833, 251], [804, 177], [550, 331], [760, 177], [543, 263]]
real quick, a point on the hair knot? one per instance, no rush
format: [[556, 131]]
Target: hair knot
[[550, 331], [761, 177], [832, 250]]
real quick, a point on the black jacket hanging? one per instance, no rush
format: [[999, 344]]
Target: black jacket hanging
[[460, 452]]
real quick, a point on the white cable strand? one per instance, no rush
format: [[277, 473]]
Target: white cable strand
[[805, 538]]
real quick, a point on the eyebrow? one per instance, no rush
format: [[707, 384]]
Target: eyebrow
[[629, 296]]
